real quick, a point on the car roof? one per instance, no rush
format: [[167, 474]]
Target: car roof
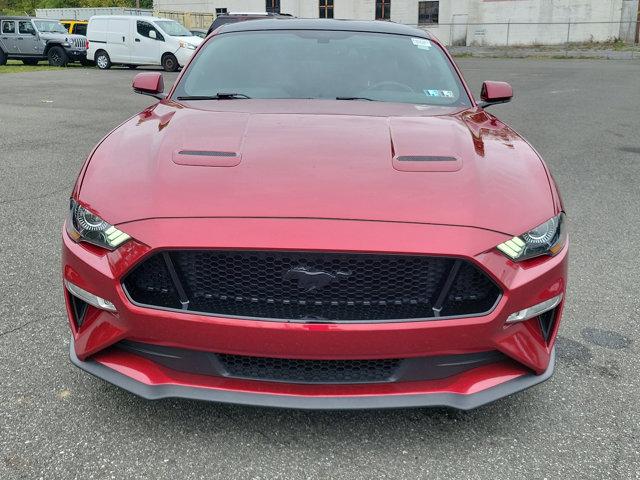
[[374, 26], [11, 17], [136, 17]]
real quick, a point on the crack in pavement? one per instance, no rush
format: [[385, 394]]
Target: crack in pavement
[[35, 320], [37, 197]]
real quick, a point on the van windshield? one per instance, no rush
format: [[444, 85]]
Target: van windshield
[[334, 65], [45, 26], [173, 29]]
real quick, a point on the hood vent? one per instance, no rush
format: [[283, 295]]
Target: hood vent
[[206, 158], [426, 163], [424, 158]]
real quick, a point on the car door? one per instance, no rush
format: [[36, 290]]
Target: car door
[[146, 49], [28, 42], [119, 40], [8, 37]]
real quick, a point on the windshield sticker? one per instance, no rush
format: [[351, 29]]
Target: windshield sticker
[[422, 43], [438, 93]]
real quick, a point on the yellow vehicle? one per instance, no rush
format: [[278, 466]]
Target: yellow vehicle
[[79, 27]]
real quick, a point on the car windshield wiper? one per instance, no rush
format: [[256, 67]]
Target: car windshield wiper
[[355, 98], [217, 96]]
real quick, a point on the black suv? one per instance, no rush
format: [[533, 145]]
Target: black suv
[[235, 17], [34, 39]]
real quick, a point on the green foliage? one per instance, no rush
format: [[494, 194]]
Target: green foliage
[[20, 7]]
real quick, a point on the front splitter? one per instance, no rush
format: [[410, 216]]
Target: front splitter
[[359, 402]]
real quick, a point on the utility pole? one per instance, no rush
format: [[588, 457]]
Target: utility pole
[[638, 25], [138, 4]]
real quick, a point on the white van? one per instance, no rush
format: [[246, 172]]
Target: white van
[[135, 40]]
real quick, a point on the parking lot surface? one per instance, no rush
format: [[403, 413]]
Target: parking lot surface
[[58, 422]]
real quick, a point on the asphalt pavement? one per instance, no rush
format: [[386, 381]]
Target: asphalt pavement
[[58, 422]]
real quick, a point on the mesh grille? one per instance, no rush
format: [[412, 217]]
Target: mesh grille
[[309, 371], [310, 286], [152, 283]]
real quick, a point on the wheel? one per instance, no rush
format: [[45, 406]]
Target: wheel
[[57, 57], [132, 67], [30, 61], [3, 57], [170, 62], [102, 60]]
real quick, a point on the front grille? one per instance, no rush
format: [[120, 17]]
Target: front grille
[[78, 42], [311, 286], [309, 371]]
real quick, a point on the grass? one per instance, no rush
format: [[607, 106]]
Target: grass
[[16, 66]]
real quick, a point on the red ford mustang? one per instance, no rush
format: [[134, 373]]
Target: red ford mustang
[[317, 215]]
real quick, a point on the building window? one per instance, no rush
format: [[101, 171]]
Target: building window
[[383, 9], [326, 8], [428, 12], [272, 6], [221, 11]]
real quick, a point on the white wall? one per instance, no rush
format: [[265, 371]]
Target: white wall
[[493, 22], [553, 16]]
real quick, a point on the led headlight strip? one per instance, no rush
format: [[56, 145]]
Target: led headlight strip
[[547, 238], [85, 226]]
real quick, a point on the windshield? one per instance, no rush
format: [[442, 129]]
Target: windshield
[[324, 65], [173, 29], [45, 26]]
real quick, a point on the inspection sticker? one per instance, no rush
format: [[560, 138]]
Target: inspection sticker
[[432, 93], [447, 93], [422, 43]]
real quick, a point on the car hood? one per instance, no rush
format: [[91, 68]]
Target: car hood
[[318, 159], [62, 37]]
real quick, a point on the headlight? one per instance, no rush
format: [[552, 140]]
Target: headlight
[[546, 239], [187, 45], [85, 226]]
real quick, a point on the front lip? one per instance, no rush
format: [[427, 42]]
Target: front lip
[[318, 402]]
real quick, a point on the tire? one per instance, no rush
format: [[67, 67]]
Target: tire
[[87, 63], [57, 57], [170, 62], [132, 67], [103, 62], [30, 61], [3, 57]]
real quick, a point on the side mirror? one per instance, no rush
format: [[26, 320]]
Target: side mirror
[[493, 93], [152, 34], [150, 84]]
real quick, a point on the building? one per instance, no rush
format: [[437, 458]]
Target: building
[[460, 22]]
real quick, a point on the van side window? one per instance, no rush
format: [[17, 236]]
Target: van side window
[[26, 28], [144, 28], [8, 27]]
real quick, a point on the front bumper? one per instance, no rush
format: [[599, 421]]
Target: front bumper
[[76, 55], [530, 355], [183, 55]]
